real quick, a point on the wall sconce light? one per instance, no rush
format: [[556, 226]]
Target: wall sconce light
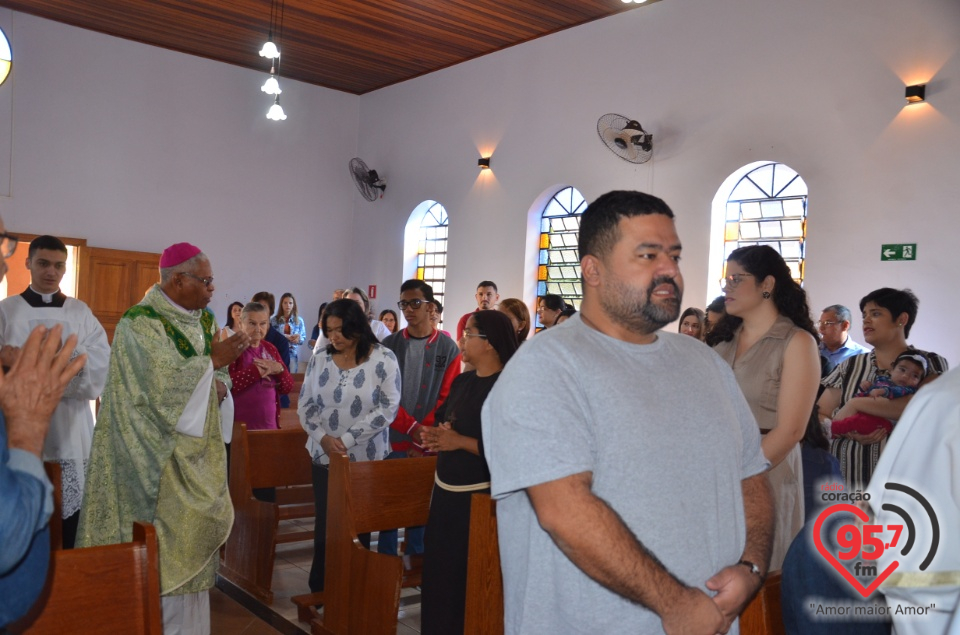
[[484, 163], [916, 93]]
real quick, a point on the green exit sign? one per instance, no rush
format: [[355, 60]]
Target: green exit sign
[[898, 252]]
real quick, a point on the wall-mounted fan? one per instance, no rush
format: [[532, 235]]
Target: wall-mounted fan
[[367, 180], [626, 138]]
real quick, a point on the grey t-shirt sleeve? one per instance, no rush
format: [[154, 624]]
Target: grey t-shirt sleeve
[[533, 424]]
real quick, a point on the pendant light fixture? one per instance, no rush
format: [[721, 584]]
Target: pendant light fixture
[[271, 51], [272, 86], [276, 112]]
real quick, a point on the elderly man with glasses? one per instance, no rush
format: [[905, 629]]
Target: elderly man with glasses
[[429, 361], [158, 453], [835, 344]]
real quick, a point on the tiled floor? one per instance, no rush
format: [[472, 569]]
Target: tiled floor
[[233, 612]]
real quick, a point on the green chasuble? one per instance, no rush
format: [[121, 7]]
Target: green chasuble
[[141, 467]]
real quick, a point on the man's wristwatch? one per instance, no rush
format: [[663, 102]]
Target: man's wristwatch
[[753, 568]]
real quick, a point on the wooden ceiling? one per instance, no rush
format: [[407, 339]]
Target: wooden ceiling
[[354, 46]]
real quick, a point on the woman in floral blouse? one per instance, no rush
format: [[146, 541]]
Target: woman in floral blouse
[[350, 394]]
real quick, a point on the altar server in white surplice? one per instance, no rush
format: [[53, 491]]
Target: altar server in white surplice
[[71, 428], [923, 453]]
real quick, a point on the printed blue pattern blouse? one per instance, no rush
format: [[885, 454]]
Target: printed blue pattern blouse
[[355, 405]]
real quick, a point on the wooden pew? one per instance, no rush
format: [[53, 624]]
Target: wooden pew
[[484, 609], [764, 616], [263, 459], [100, 591], [362, 587]]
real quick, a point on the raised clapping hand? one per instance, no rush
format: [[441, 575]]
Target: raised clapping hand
[[31, 391], [8, 355], [225, 351]]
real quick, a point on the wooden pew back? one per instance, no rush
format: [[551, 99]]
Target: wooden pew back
[[484, 608], [276, 458], [101, 590], [264, 459], [361, 587]]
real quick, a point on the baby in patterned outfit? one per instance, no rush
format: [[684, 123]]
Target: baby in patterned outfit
[[909, 369]]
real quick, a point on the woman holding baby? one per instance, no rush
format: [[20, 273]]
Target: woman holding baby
[[888, 315]]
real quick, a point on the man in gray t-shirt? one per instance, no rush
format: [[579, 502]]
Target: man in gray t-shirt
[[632, 489]]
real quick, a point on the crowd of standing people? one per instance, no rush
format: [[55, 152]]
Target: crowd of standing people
[[587, 469]]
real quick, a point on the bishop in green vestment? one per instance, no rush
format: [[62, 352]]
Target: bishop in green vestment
[[158, 453]]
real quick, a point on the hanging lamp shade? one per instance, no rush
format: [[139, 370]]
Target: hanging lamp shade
[[270, 50], [6, 57], [271, 86], [276, 112]]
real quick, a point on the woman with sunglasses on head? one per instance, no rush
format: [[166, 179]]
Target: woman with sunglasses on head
[[489, 340], [769, 340]]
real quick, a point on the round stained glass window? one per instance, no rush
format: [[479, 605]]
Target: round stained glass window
[[6, 58]]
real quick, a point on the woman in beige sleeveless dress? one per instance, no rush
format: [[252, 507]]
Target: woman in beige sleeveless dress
[[769, 340]]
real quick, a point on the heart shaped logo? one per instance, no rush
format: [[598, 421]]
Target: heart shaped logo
[[832, 559]]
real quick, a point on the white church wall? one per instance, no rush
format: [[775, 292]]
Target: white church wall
[[136, 147], [817, 85]]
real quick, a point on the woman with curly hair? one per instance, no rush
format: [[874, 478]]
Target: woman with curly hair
[[769, 340]]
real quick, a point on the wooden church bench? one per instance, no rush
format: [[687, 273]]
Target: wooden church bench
[[265, 459]]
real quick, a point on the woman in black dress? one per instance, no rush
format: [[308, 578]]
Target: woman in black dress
[[488, 342]]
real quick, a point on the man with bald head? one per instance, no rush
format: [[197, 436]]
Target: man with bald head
[[158, 453]]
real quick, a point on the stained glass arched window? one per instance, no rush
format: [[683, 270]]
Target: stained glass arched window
[[558, 271], [768, 206], [432, 249]]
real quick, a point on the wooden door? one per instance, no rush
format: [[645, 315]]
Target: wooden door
[[110, 281]]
